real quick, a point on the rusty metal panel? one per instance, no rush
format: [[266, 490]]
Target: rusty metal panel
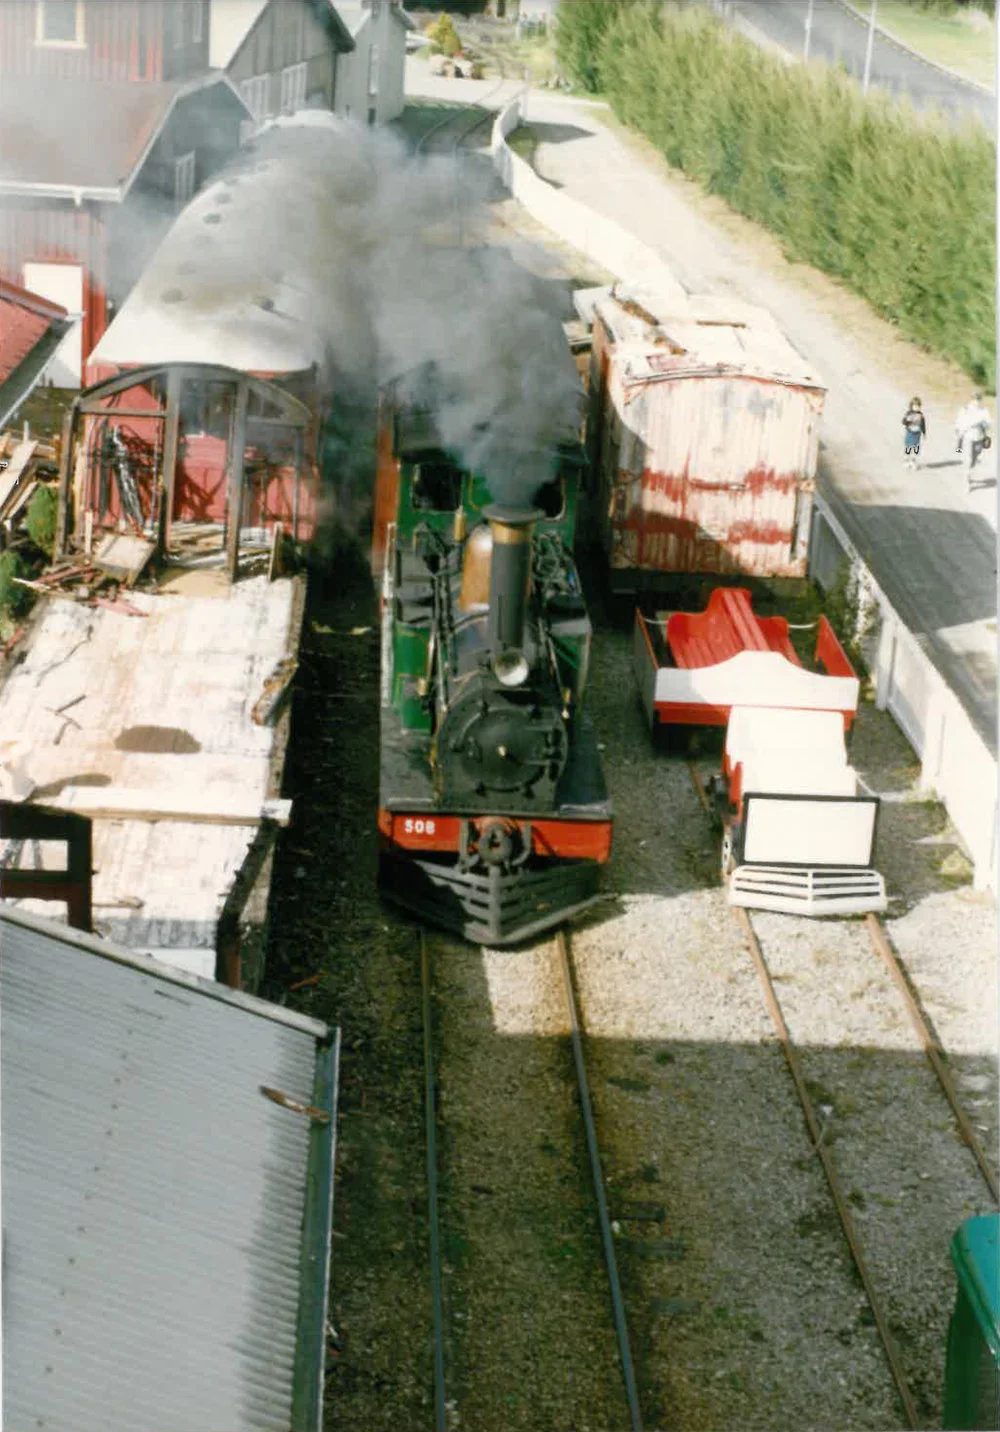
[[706, 459]]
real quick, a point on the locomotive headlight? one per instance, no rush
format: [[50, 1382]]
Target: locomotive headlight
[[511, 667]]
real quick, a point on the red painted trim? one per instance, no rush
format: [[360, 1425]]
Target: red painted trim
[[829, 652], [561, 839], [691, 713]]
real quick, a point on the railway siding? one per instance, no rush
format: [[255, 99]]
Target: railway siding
[[746, 1304], [529, 1329], [888, 1126]]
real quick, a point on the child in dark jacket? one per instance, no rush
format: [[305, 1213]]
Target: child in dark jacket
[[914, 431]]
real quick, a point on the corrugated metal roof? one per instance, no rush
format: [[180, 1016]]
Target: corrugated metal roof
[[153, 1197]]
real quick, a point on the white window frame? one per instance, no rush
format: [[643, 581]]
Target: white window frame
[[77, 43], [197, 22], [293, 87], [184, 177], [255, 94]]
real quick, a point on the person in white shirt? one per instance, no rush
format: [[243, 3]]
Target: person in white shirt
[[972, 432]]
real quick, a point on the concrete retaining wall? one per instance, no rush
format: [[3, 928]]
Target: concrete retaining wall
[[601, 239], [955, 762]]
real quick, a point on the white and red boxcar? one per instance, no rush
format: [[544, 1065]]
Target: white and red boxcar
[[798, 834], [703, 432]]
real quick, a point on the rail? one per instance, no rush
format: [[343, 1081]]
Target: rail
[[600, 1197], [430, 1130], [883, 947], [597, 1176]]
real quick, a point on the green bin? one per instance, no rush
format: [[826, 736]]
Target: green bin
[[972, 1373]]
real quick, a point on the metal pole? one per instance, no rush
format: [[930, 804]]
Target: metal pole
[[869, 47], [809, 25]]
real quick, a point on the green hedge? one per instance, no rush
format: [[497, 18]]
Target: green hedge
[[898, 206]]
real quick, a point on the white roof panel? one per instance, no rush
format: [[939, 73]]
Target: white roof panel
[[703, 334]]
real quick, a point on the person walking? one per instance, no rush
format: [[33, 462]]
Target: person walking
[[972, 433], [914, 432]]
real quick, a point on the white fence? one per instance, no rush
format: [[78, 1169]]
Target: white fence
[[955, 762]]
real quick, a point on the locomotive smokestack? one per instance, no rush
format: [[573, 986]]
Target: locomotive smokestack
[[510, 574]]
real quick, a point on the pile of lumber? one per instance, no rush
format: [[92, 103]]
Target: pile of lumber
[[24, 463], [196, 544], [84, 579]]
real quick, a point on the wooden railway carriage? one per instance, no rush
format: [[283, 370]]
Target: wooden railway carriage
[[202, 420], [703, 430], [493, 813]]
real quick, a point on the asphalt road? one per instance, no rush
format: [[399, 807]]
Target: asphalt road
[[840, 37]]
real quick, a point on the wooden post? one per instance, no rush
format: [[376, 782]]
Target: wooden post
[[168, 476], [237, 455], [228, 968], [869, 47], [65, 472], [72, 885], [80, 864]]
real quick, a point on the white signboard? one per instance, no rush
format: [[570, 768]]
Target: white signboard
[[809, 830]]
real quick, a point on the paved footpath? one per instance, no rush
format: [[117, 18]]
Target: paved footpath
[[931, 544]]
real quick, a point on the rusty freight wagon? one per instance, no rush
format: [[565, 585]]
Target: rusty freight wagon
[[703, 431]]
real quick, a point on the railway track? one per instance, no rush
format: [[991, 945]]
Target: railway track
[[881, 947], [561, 954]]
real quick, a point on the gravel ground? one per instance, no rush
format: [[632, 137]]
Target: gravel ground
[[744, 1308], [532, 1343]]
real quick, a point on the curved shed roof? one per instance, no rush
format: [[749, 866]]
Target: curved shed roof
[[239, 278]]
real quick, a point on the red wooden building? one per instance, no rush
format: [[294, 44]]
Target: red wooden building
[[111, 120]]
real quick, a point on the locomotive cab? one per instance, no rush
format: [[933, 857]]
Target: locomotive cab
[[493, 813]]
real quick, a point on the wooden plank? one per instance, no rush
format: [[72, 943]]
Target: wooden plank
[[95, 408], [18, 500], [123, 556], [237, 478], [276, 687], [11, 475], [168, 475], [277, 543], [65, 473], [230, 807]]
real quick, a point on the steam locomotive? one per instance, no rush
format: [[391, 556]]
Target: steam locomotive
[[494, 817]]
